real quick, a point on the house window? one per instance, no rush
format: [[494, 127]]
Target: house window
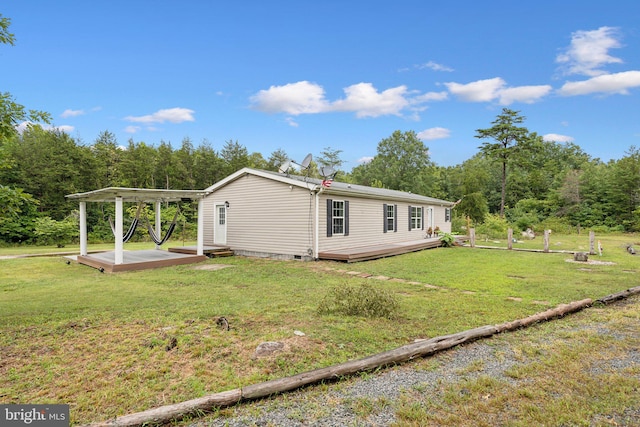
[[416, 221], [337, 217], [447, 214], [390, 217], [222, 215]]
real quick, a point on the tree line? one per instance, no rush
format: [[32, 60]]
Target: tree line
[[516, 176]]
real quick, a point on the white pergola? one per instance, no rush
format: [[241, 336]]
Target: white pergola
[[120, 195]]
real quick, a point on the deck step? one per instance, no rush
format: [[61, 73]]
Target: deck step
[[216, 254]]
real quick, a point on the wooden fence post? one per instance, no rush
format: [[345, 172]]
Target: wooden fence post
[[592, 242], [547, 233], [510, 238], [472, 237]]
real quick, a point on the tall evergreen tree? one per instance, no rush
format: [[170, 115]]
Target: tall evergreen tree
[[509, 139]]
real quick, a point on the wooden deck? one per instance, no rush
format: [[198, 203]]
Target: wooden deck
[[138, 260], [210, 251], [364, 253]]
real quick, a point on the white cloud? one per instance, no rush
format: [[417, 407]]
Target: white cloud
[[366, 101], [589, 51], [429, 96], [434, 133], [291, 122], [71, 113], [132, 129], [365, 160], [554, 137], [478, 91], [526, 94], [363, 99], [293, 98], [63, 128], [171, 115], [495, 89], [618, 83], [21, 127], [436, 67]]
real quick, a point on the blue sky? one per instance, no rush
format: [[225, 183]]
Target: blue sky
[[305, 75]]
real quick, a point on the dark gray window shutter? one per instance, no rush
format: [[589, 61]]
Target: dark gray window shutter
[[329, 217], [384, 217], [346, 218], [410, 217], [422, 209], [395, 217]]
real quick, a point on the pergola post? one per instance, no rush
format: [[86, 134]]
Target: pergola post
[[83, 229], [158, 221], [200, 238], [119, 250]]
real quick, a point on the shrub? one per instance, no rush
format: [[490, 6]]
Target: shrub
[[557, 225], [49, 231], [493, 227], [365, 300], [447, 239]]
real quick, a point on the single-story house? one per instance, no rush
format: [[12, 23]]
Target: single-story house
[[271, 214]]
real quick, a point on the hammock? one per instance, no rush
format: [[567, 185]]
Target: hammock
[[132, 228], [156, 239]]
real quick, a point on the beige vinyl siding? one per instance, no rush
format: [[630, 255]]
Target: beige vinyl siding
[[366, 223], [264, 216], [208, 208], [439, 218]]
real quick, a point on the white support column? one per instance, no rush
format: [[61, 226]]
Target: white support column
[[158, 222], [119, 252], [316, 243], [200, 242], [83, 228]]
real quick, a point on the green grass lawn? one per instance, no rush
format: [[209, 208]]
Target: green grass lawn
[[71, 334]]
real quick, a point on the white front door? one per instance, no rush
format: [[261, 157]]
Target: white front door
[[220, 226], [430, 223]]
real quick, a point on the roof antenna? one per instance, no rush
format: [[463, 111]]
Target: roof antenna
[[328, 172], [305, 163], [284, 167]]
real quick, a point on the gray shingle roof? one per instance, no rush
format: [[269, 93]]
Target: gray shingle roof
[[346, 189]]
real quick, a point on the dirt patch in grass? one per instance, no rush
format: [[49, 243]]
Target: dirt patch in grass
[[591, 262], [211, 267]]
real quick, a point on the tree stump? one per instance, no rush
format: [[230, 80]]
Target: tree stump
[[581, 257]]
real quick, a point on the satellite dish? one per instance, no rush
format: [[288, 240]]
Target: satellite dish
[[284, 168], [327, 171], [306, 162]]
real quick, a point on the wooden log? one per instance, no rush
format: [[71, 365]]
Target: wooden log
[[620, 295], [546, 240], [401, 354], [164, 414], [411, 351], [559, 311], [510, 238]]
